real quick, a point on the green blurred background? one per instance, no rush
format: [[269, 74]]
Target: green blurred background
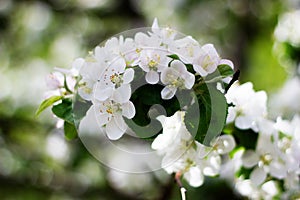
[[36, 162]]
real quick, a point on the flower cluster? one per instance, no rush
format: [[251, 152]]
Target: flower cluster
[[275, 157], [185, 156], [234, 129], [107, 73]]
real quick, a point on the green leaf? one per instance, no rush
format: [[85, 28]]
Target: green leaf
[[46, 103], [212, 107], [64, 110], [174, 56], [221, 72], [70, 131]]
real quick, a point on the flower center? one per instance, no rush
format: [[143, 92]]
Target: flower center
[[175, 81], [265, 159], [152, 64], [207, 61], [116, 79], [111, 107]]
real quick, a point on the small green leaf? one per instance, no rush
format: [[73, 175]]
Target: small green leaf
[[174, 56], [70, 131], [64, 110], [225, 70], [46, 103]]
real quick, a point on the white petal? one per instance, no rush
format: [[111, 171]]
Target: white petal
[[168, 92], [278, 170], [128, 76], [231, 114], [164, 75], [243, 122], [118, 65], [189, 80], [200, 70], [162, 119], [120, 122], [152, 77], [258, 176], [250, 158], [194, 177], [113, 131], [76, 66], [178, 66], [102, 93], [89, 125], [122, 94], [270, 188], [160, 142], [225, 144], [128, 110], [155, 27]]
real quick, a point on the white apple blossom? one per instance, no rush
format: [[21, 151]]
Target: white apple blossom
[[90, 74], [114, 83], [249, 107], [174, 77], [166, 34], [62, 78], [115, 48], [153, 62], [207, 60], [186, 48], [183, 155], [109, 114]]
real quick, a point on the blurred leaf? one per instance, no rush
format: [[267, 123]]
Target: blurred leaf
[[46, 103]]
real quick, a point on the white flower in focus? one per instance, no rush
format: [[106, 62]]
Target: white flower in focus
[[174, 130], [176, 76], [249, 106], [167, 35], [180, 152], [153, 62], [207, 60], [90, 74], [186, 48], [115, 48], [109, 114], [115, 83]]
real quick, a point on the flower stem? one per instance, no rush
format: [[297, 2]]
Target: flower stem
[[182, 189]]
